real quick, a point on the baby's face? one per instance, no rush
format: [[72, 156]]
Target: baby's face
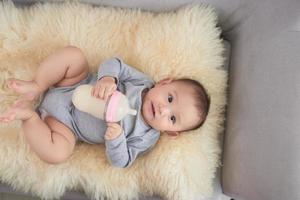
[[170, 107]]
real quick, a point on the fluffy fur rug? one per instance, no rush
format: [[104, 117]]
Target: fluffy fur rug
[[182, 43]]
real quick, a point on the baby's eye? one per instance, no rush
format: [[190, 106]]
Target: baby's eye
[[173, 119], [170, 98]]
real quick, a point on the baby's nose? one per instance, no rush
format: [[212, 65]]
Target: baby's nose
[[164, 110]]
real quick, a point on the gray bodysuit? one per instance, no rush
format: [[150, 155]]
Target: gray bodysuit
[[137, 136]]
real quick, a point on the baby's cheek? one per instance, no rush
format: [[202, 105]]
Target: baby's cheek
[[163, 124]]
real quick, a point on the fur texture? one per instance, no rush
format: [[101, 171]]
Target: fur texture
[[182, 43]]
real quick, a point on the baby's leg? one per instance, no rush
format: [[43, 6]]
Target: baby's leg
[[51, 140], [65, 67]]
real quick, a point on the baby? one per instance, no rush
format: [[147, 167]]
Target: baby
[[170, 106]]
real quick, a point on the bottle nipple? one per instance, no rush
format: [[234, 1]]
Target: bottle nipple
[[118, 107]]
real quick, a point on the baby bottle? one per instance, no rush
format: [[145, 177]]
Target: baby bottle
[[113, 110]]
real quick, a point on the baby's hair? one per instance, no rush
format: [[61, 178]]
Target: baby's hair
[[202, 99]]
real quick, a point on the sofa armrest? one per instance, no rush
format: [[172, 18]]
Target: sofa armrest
[[261, 150]]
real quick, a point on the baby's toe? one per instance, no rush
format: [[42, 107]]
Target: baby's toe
[[11, 117], [5, 118], [10, 83]]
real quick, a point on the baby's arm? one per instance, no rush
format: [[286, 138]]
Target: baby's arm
[[110, 73], [116, 68], [122, 152]]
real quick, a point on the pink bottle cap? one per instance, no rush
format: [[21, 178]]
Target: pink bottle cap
[[111, 109]]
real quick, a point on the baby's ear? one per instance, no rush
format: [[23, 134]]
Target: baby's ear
[[165, 81]]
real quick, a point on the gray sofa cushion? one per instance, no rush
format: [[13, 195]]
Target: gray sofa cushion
[[262, 142]]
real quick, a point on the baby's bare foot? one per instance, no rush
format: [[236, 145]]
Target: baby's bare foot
[[20, 110], [28, 89]]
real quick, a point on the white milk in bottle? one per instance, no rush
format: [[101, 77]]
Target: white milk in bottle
[[113, 110]]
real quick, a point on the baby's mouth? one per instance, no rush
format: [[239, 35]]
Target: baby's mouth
[[153, 110]]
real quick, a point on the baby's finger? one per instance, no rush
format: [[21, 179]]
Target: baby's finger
[[108, 92], [101, 92], [111, 125], [115, 125], [113, 88], [95, 89], [109, 130]]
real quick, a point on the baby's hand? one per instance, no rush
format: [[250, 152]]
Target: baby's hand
[[104, 87], [113, 131]]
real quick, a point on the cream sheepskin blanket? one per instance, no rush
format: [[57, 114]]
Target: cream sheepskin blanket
[[182, 43]]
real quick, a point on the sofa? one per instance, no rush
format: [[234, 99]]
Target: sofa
[[261, 144]]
